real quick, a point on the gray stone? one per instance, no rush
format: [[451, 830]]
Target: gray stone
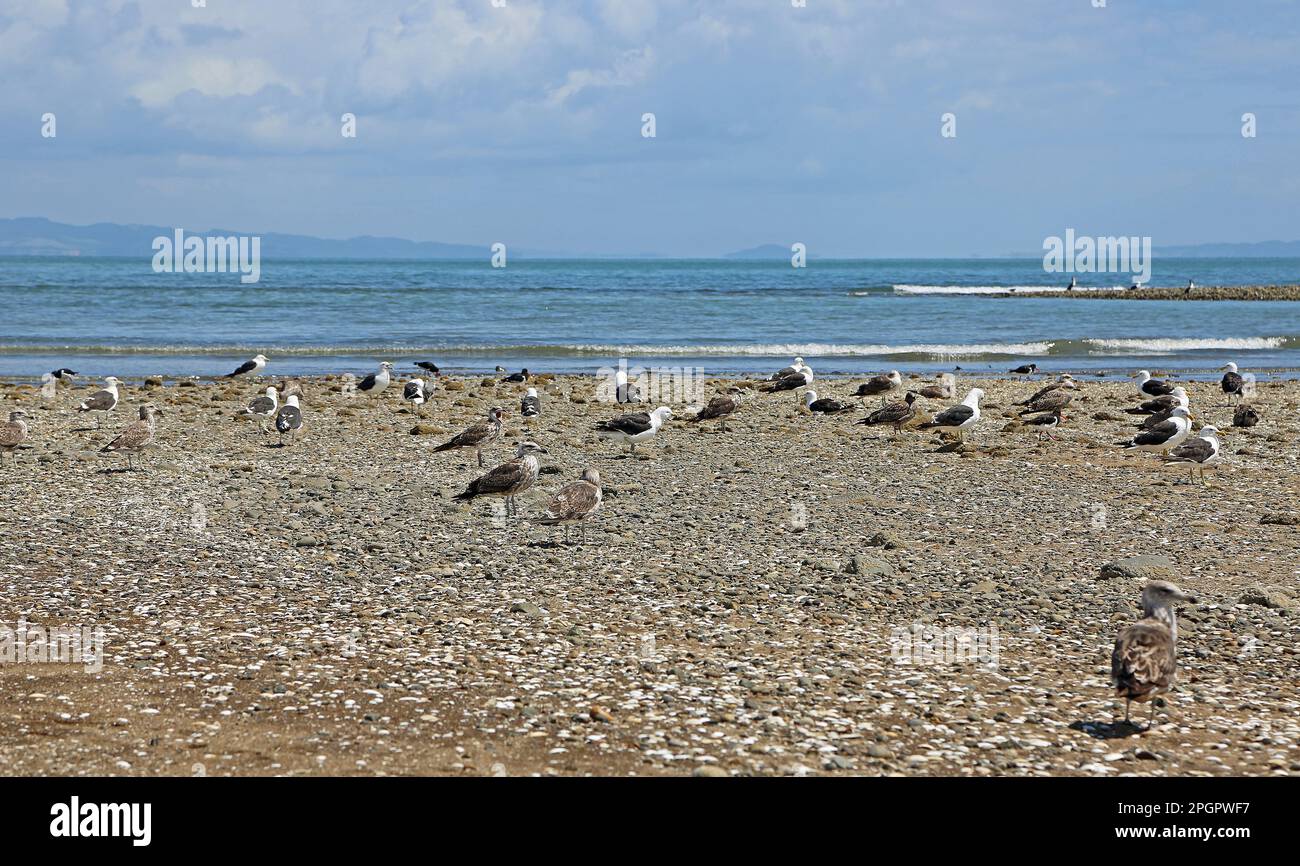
[[866, 566], [1144, 566]]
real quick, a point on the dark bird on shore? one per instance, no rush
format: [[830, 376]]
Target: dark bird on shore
[[531, 405], [1045, 423], [1179, 398], [1152, 387], [896, 414], [787, 371], [1025, 370], [1054, 400], [1245, 415], [717, 409], [634, 428], [135, 437], [63, 374], [252, 367], [1162, 405], [623, 392], [798, 379], [1164, 436], [476, 435], [1232, 383], [945, 390], [288, 419], [1202, 450], [575, 503], [14, 432], [1064, 381], [261, 408], [509, 479], [1144, 661], [417, 393], [960, 418], [428, 366], [521, 376], [881, 384], [376, 382], [824, 405]]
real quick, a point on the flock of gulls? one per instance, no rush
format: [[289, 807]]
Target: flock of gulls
[[1143, 662]]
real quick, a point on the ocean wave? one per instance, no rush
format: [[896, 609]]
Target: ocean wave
[[1169, 346], [995, 290]]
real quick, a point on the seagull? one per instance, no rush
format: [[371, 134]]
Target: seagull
[[1025, 370], [261, 408], [252, 367], [1145, 659], [417, 393], [824, 405], [1178, 398], [1152, 387], [102, 401], [1074, 284], [800, 378], [428, 366], [1168, 434], [476, 435], [1053, 400], [634, 428], [796, 367], [1163, 404], [1045, 423], [1245, 415], [135, 437], [623, 392], [376, 382], [14, 433], [1199, 451], [945, 390], [718, 408], [1232, 383], [63, 374], [880, 385], [531, 405], [509, 479], [289, 418], [897, 413], [575, 503], [960, 418], [521, 376], [1065, 380]]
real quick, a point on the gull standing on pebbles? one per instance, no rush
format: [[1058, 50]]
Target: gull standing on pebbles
[[634, 428], [1054, 400], [13, 433], [509, 479], [623, 392], [1145, 659], [796, 367], [135, 437], [719, 408], [252, 367], [960, 418], [476, 435], [376, 382], [800, 378], [897, 413], [102, 401], [418, 394], [262, 408], [823, 405], [1232, 383], [289, 418], [531, 405], [1200, 451], [1165, 407], [575, 503], [1166, 435]]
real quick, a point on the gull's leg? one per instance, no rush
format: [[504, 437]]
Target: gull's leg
[[1128, 705], [480, 457], [1151, 721]]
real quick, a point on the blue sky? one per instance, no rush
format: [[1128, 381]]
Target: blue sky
[[775, 124]]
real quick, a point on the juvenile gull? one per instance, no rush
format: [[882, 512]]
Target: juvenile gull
[[252, 367], [509, 479], [800, 378], [1064, 381], [1232, 383], [417, 393], [1175, 400], [1152, 387], [262, 408], [135, 437], [945, 390], [531, 405], [1245, 415], [960, 418], [102, 401], [289, 419], [634, 428], [575, 503], [881, 384], [14, 432], [824, 405], [475, 435], [1054, 400], [1198, 452], [376, 382], [897, 413], [1145, 659], [718, 409], [1162, 405], [1164, 436]]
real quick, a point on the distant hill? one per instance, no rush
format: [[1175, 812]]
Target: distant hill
[[764, 251], [1262, 249], [36, 236]]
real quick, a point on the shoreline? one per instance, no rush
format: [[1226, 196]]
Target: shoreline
[[1171, 293]]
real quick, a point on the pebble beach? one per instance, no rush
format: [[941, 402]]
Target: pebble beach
[[759, 601]]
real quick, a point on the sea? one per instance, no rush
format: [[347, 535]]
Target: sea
[[116, 316]]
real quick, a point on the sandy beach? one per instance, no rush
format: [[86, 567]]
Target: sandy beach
[[327, 608]]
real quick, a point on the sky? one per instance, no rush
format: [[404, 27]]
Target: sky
[[520, 121]]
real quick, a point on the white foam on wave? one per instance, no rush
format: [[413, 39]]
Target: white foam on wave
[[995, 290], [943, 350], [1168, 346]]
